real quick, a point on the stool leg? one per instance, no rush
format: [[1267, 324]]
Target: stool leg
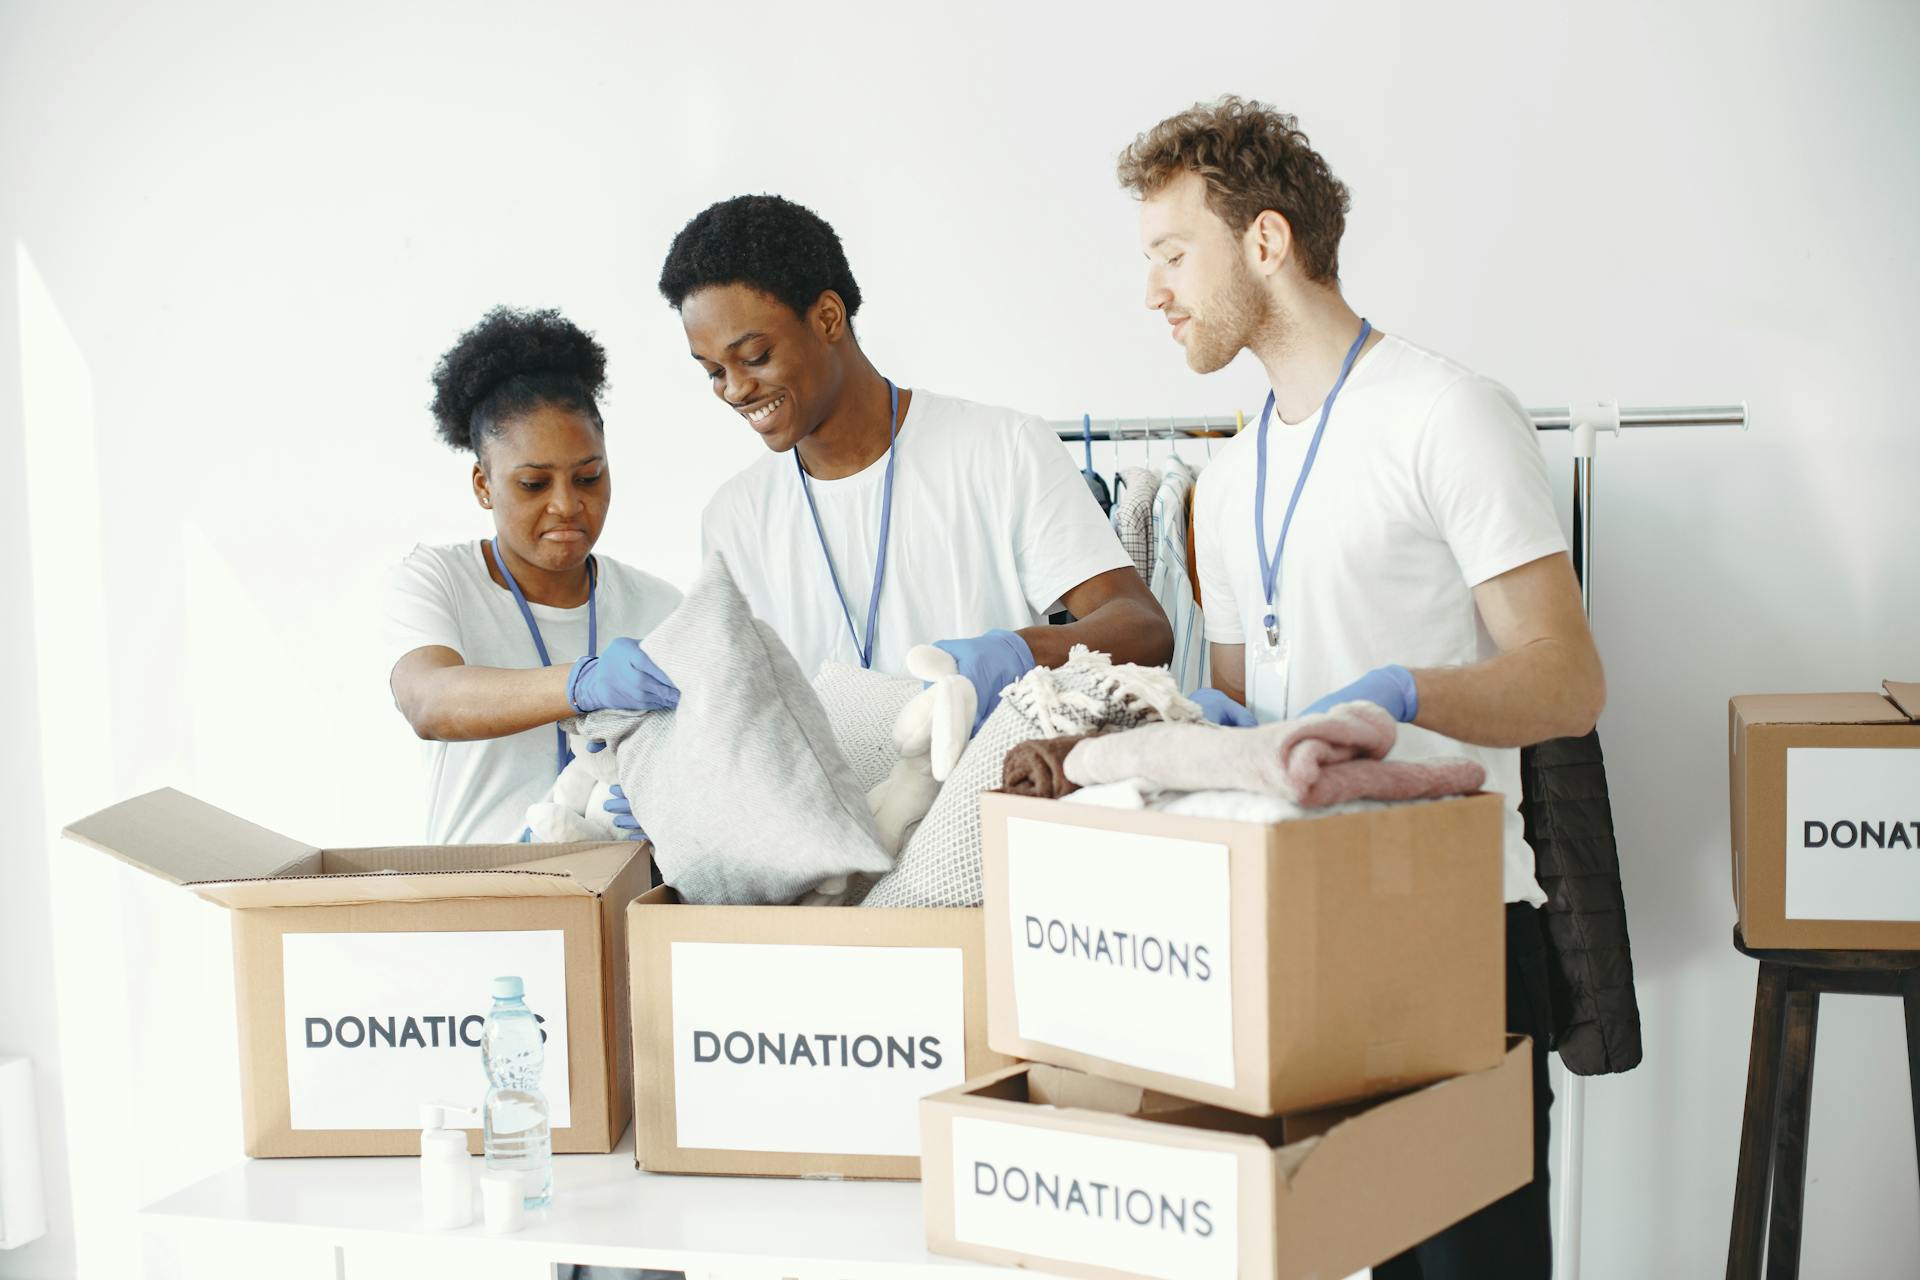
[[1755, 1170], [1790, 1150], [1910, 989]]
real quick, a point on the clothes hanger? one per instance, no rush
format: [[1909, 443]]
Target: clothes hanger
[[1095, 485]]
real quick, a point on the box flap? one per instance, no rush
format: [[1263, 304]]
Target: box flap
[[592, 866], [182, 840], [431, 873], [1905, 695], [1820, 708]]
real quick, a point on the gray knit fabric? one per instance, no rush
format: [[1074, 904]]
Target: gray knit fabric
[[744, 792], [862, 707], [940, 867]]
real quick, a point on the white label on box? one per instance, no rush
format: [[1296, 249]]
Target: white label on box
[[1122, 946], [378, 1023], [813, 1049], [1137, 1207], [1853, 833]]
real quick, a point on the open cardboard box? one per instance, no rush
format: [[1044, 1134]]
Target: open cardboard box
[[363, 976], [1038, 1166], [798, 1041], [1260, 968], [1825, 799]]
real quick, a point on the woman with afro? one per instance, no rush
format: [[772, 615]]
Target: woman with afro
[[499, 637]]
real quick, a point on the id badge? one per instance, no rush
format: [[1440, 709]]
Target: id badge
[[1270, 657]]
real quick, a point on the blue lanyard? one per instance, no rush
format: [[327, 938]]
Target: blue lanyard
[[886, 520], [1270, 569], [565, 754]]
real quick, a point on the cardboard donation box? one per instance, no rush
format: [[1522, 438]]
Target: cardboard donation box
[[1260, 968], [798, 1041], [1825, 791], [364, 976], [1039, 1166]]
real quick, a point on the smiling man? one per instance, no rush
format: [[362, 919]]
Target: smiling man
[[882, 517], [1385, 534]]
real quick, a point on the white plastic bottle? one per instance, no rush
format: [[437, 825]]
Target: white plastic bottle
[[446, 1169]]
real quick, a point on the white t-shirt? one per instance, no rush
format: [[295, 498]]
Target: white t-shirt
[[1429, 481], [991, 526], [478, 792]]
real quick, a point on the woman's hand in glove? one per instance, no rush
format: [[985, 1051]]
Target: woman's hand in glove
[[623, 678], [622, 810]]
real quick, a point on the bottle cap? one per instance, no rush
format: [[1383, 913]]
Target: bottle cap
[[503, 1200], [508, 988]]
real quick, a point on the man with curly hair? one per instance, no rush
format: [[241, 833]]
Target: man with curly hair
[[883, 517], [1386, 533]]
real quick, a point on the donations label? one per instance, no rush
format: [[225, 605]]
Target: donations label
[[1137, 1207], [1853, 833], [378, 1023], [1122, 946], [780, 1047]]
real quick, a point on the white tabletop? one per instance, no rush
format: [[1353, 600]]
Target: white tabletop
[[604, 1213]]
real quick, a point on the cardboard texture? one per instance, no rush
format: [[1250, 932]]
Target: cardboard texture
[[1302, 1196], [824, 1103], [276, 886], [1844, 874], [1366, 951]]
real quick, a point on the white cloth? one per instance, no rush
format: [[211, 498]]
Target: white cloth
[[478, 792], [1429, 481], [1170, 584], [1234, 806], [991, 526]]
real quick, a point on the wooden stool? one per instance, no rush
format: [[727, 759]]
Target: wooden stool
[[1773, 1136]]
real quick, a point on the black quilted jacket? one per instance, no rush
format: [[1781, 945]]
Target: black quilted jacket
[[1569, 823]]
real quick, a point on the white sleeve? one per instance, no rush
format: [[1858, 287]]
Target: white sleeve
[[1061, 539], [420, 608], [1218, 604], [1481, 474]]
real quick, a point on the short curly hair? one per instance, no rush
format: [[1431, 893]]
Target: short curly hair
[[1252, 158], [769, 243], [509, 363]]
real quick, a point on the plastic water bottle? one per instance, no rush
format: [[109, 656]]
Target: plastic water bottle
[[518, 1136]]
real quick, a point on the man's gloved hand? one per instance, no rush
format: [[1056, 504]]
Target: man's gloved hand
[[623, 678], [1389, 687], [1218, 708], [990, 663], [622, 810]]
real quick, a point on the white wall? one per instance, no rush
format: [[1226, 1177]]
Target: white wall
[[246, 234]]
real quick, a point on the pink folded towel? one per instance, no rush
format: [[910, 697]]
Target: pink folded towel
[[1328, 758]]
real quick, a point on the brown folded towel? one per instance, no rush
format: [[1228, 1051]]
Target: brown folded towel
[[1037, 767]]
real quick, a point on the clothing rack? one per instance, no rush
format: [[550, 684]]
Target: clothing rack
[[1587, 420], [1558, 418]]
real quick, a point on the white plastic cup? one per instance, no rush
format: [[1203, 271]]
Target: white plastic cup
[[503, 1199]]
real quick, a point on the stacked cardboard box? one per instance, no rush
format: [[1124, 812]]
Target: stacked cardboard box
[[1254, 1050]]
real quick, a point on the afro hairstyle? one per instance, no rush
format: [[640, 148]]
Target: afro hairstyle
[[510, 363], [769, 243]]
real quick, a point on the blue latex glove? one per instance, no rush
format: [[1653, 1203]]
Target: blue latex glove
[[990, 662], [623, 678], [1389, 687], [622, 810], [1220, 709]]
